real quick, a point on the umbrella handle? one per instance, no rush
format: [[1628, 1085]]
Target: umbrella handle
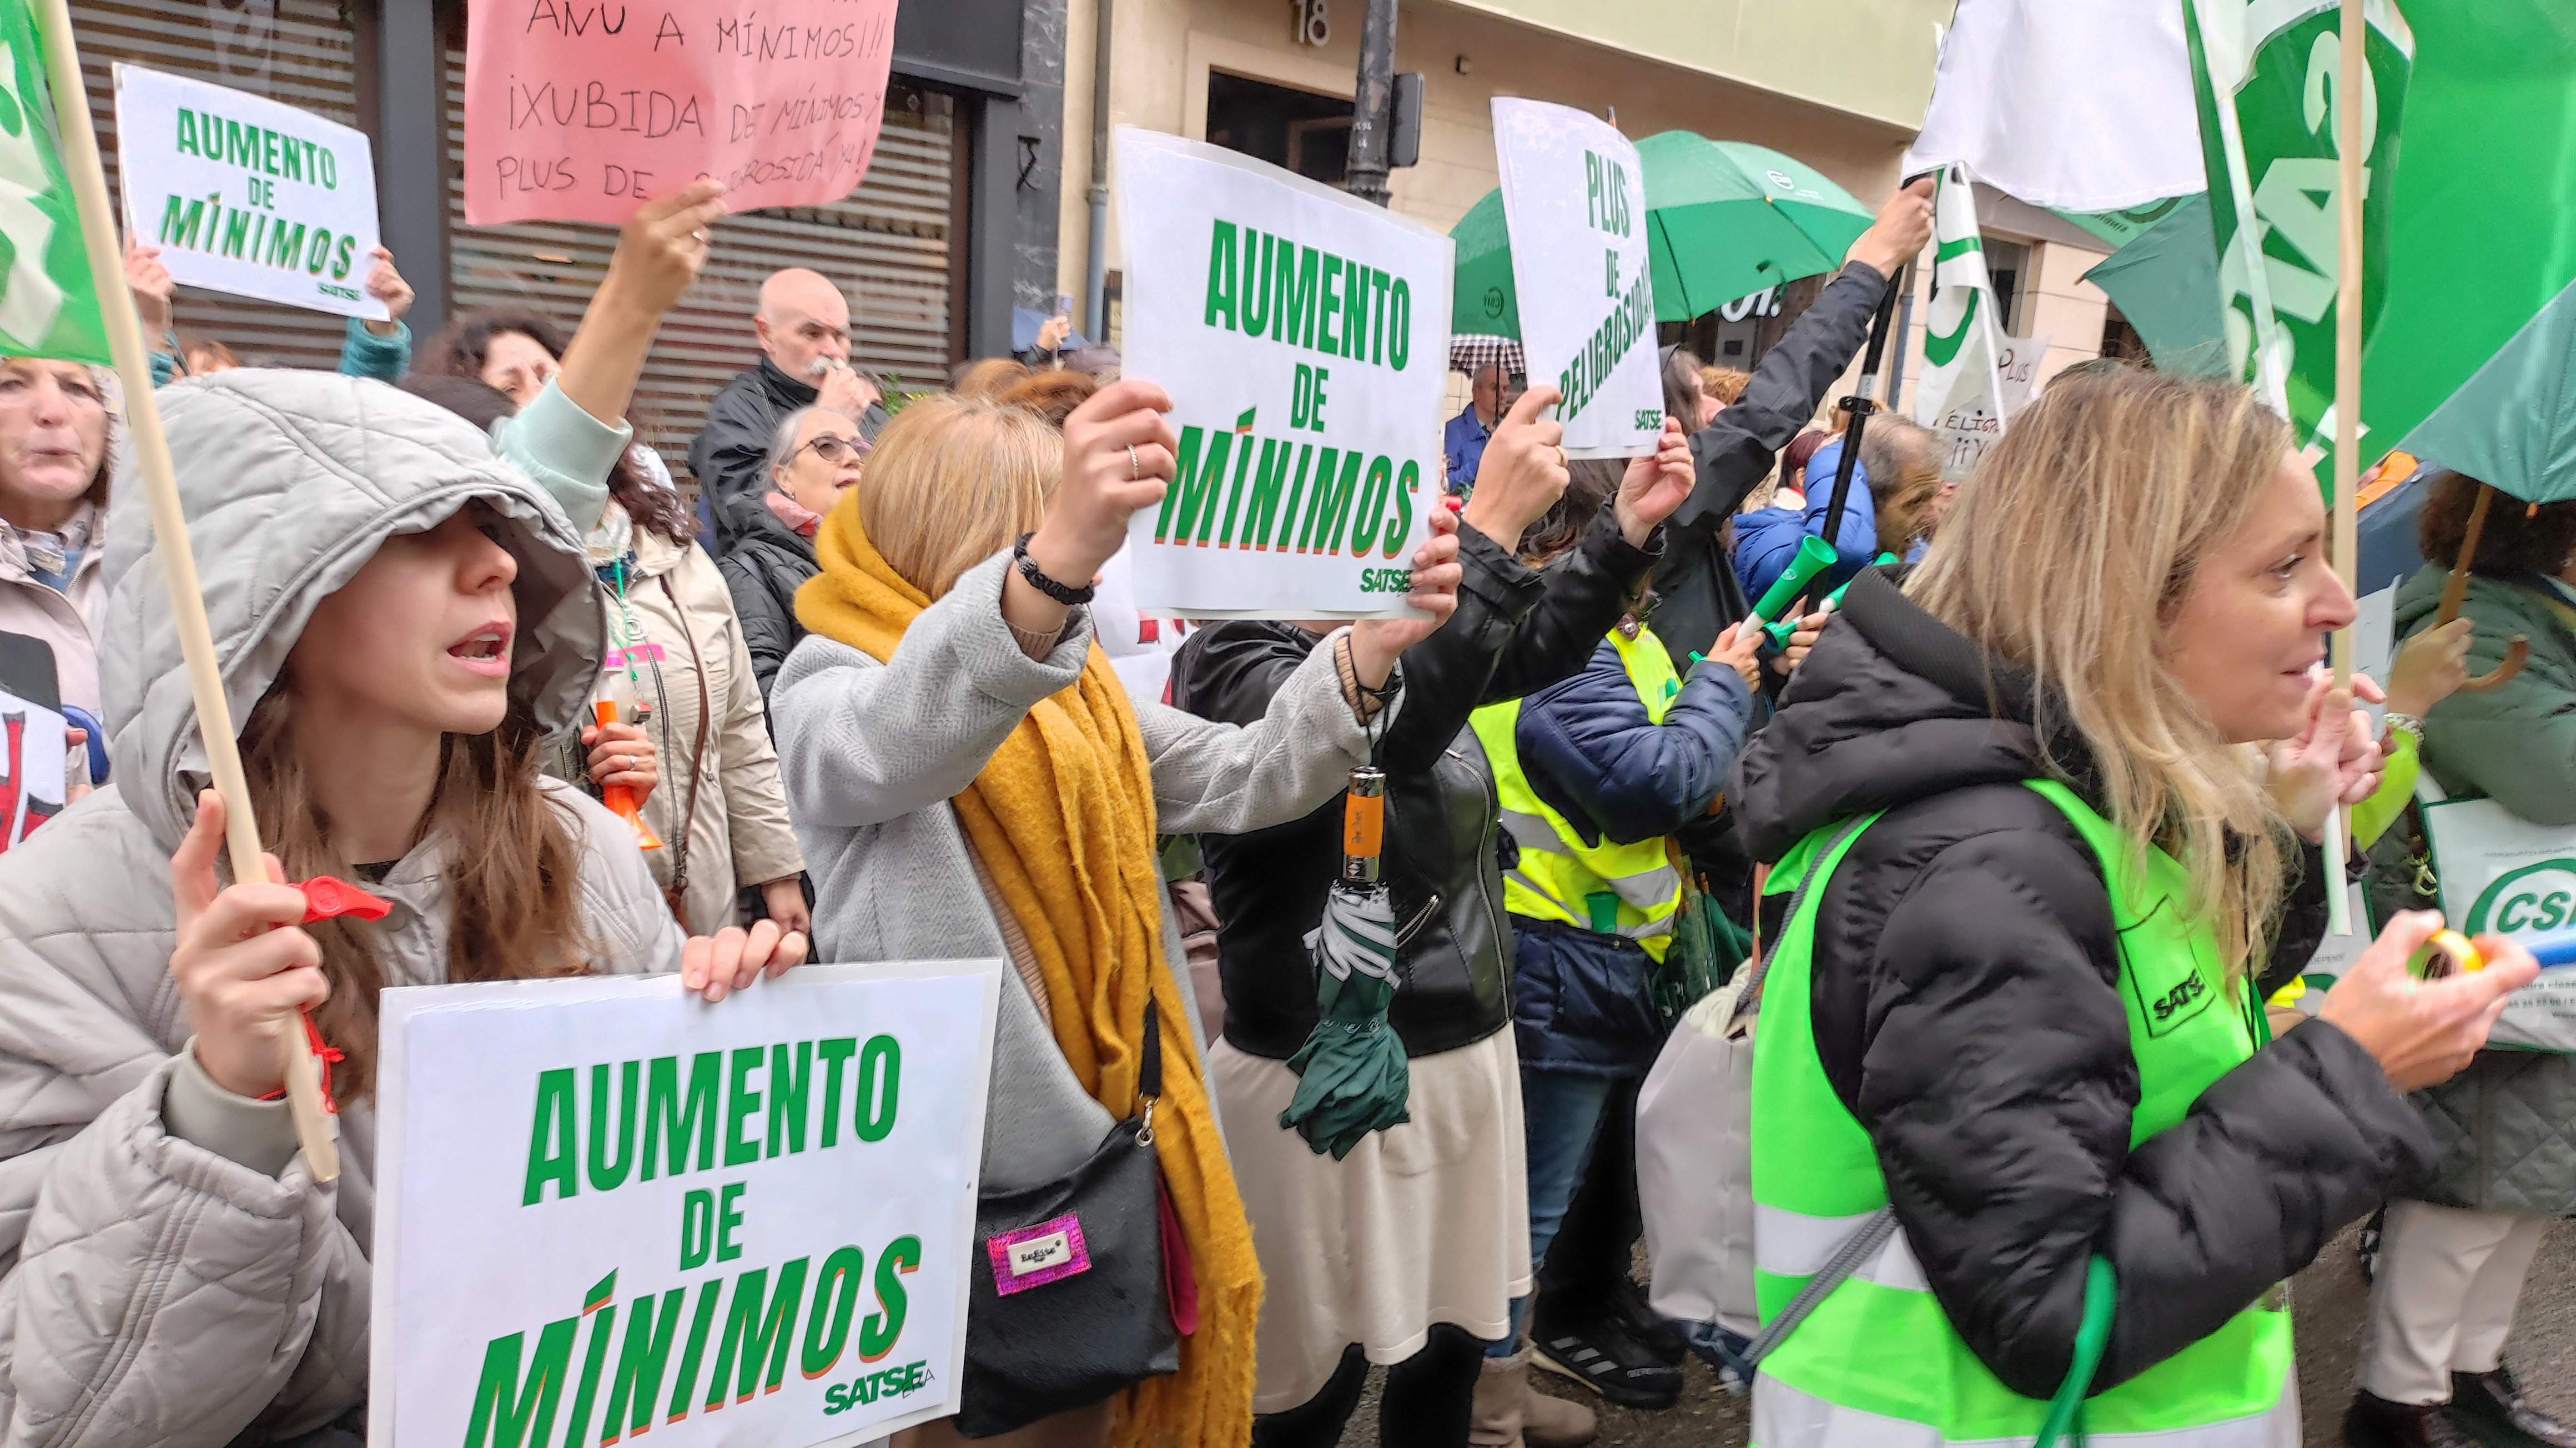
[[2455, 592]]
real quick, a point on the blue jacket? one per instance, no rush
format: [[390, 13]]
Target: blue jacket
[[1581, 1001], [1765, 541], [1463, 443]]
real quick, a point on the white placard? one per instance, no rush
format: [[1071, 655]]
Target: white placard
[[1574, 200], [1303, 335], [2337, 953], [245, 195], [592, 1205], [31, 767], [2504, 875]]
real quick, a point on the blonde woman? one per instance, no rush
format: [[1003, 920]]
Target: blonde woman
[[968, 778], [2087, 760]]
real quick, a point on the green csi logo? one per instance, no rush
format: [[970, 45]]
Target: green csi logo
[[2529, 901], [1493, 301]]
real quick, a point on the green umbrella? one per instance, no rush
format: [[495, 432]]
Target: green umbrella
[[1352, 1077], [1724, 219], [2164, 280]]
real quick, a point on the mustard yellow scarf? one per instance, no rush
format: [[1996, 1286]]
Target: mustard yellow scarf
[[1062, 818]]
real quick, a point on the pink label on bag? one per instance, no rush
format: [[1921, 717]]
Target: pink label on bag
[[1035, 1256]]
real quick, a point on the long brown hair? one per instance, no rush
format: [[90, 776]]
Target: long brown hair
[[512, 875], [2518, 538], [2067, 552]]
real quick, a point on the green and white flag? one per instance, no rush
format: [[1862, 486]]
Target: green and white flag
[[2265, 74], [48, 303], [1960, 398]]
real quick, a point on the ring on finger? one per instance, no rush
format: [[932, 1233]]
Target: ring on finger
[[1135, 470], [699, 236], [1561, 459]]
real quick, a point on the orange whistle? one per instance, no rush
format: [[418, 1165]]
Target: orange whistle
[[618, 797]]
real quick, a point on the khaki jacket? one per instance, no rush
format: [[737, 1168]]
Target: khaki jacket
[[739, 834]]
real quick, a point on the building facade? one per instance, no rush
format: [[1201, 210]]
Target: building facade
[[954, 225]]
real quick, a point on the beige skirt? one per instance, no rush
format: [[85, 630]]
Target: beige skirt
[[1426, 1222]]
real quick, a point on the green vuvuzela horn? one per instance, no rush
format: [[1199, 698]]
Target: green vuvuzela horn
[[1815, 555], [1780, 631]]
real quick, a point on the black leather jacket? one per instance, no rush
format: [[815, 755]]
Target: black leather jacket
[[1515, 631]]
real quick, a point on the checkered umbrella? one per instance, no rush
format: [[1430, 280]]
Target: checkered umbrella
[[1469, 352]]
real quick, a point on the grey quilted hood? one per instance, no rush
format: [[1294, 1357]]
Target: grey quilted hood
[[291, 481]]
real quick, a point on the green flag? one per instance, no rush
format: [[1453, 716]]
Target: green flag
[[48, 302], [2264, 75]]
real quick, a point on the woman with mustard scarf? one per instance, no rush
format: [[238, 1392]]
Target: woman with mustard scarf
[[968, 778]]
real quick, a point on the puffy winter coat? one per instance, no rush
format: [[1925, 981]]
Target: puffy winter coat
[[1580, 1000], [159, 1292], [2507, 1124], [1965, 1011], [1515, 630], [763, 569], [1766, 541], [714, 751]]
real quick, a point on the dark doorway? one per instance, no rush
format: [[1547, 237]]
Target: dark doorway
[[1304, 132]]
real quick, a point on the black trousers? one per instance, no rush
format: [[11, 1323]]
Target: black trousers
[[1426, 1403], [1591, 1257]]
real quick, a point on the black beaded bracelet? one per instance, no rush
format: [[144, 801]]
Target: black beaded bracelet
[[1070, 597]]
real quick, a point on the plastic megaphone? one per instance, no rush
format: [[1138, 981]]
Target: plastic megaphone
[[619, 797], [1815, 555]]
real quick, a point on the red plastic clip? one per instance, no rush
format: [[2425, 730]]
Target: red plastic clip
[[328, 1055], [328, 899]]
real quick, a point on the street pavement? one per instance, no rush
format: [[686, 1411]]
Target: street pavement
[[2329, 1298]]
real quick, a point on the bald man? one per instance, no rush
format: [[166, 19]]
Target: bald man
[[804, 329]]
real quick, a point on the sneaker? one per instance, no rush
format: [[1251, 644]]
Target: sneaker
[[1603, 1357]]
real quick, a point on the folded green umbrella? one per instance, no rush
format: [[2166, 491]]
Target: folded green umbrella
[[1351, 1073], [1724, 219]]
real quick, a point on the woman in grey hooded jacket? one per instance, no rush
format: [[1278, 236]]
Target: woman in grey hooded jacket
[[173, 1273]]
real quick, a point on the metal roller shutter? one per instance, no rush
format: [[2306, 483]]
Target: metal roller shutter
[[296, 51], [890, 245]]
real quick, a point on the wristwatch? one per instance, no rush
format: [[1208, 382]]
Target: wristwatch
[[1064, 594]]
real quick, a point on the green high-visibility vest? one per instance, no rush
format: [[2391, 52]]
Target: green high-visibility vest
[[1626, 890], [1878, 1362]]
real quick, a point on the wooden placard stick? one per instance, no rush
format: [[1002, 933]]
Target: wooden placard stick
[[315, 1131]]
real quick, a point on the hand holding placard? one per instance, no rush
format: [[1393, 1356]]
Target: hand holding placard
[[1523, 472], [1655, 484]]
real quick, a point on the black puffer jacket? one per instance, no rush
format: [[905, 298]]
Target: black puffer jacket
[[1515, 631], [1965, 1010], [763, 569]]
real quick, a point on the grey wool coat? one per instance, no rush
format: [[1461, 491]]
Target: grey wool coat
[[169, 1277], [871, 754]]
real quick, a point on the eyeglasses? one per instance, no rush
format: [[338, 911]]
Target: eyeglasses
[[837, 450]]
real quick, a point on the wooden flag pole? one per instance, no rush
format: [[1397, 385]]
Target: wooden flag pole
[[315, 1131], [2350, 83]]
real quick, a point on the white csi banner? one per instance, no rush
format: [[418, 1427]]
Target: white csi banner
[[1574, 199], [1960, 398], [2504, 875], [606, 1206], [245, 195], [1303, 335]]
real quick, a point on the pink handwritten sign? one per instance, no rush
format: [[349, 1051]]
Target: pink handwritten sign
[[581, 110]]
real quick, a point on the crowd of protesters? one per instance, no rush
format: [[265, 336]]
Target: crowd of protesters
[[2029, 828]]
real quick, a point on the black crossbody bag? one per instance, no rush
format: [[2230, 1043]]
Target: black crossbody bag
[[1067, 1304]]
